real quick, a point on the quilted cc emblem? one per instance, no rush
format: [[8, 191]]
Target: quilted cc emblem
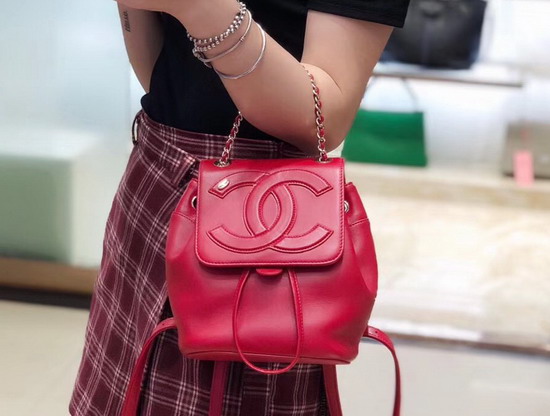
[[278, 235]]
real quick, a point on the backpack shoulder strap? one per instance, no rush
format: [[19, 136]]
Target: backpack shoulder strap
[[219, 377], [131, 399], [217, 390], [331, 381]]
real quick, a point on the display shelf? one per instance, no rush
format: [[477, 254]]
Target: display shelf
[[46, 275], [497, 75], [461, 183]]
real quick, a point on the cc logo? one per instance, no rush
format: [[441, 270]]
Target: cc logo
[[278, 235]]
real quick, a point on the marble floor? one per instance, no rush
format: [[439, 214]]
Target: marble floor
[[41, 347]]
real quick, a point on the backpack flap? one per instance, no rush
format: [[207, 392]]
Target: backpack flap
[[270, 212]]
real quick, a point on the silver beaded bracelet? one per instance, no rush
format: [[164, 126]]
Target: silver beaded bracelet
[[201, 57], [216, 40], [253, 67]]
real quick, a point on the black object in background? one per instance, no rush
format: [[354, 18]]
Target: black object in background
[[45, 297], [439, 33]]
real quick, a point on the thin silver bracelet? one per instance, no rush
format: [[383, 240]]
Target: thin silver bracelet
[[201, 57], [212, 42], [253, 67]]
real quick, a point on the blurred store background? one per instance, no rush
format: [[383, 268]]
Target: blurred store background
[[450, 151]]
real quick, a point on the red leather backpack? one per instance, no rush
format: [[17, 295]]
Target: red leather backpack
[[269, 260]]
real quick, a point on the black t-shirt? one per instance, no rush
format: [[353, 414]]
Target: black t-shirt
[[186, 94]]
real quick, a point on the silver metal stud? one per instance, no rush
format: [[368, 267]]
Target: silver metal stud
[[346, 206], [223, 183]]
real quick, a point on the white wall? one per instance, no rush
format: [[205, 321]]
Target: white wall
[[63, 63], [65, 82]]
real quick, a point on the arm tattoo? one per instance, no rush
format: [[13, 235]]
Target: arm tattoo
[[126, 20]]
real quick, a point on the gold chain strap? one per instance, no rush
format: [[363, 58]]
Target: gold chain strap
[[319, 119]]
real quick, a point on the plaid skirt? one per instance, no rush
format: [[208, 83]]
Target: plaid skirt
[[130, 295]]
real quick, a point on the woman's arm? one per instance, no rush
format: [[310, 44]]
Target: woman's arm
[[276, 97], [143, 38]]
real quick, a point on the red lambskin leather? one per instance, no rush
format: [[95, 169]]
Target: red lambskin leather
[[336, 290]]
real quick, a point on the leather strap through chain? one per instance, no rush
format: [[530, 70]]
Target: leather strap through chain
[[319, 120]]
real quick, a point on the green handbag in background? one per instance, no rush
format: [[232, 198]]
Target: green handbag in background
[[387, 137]]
